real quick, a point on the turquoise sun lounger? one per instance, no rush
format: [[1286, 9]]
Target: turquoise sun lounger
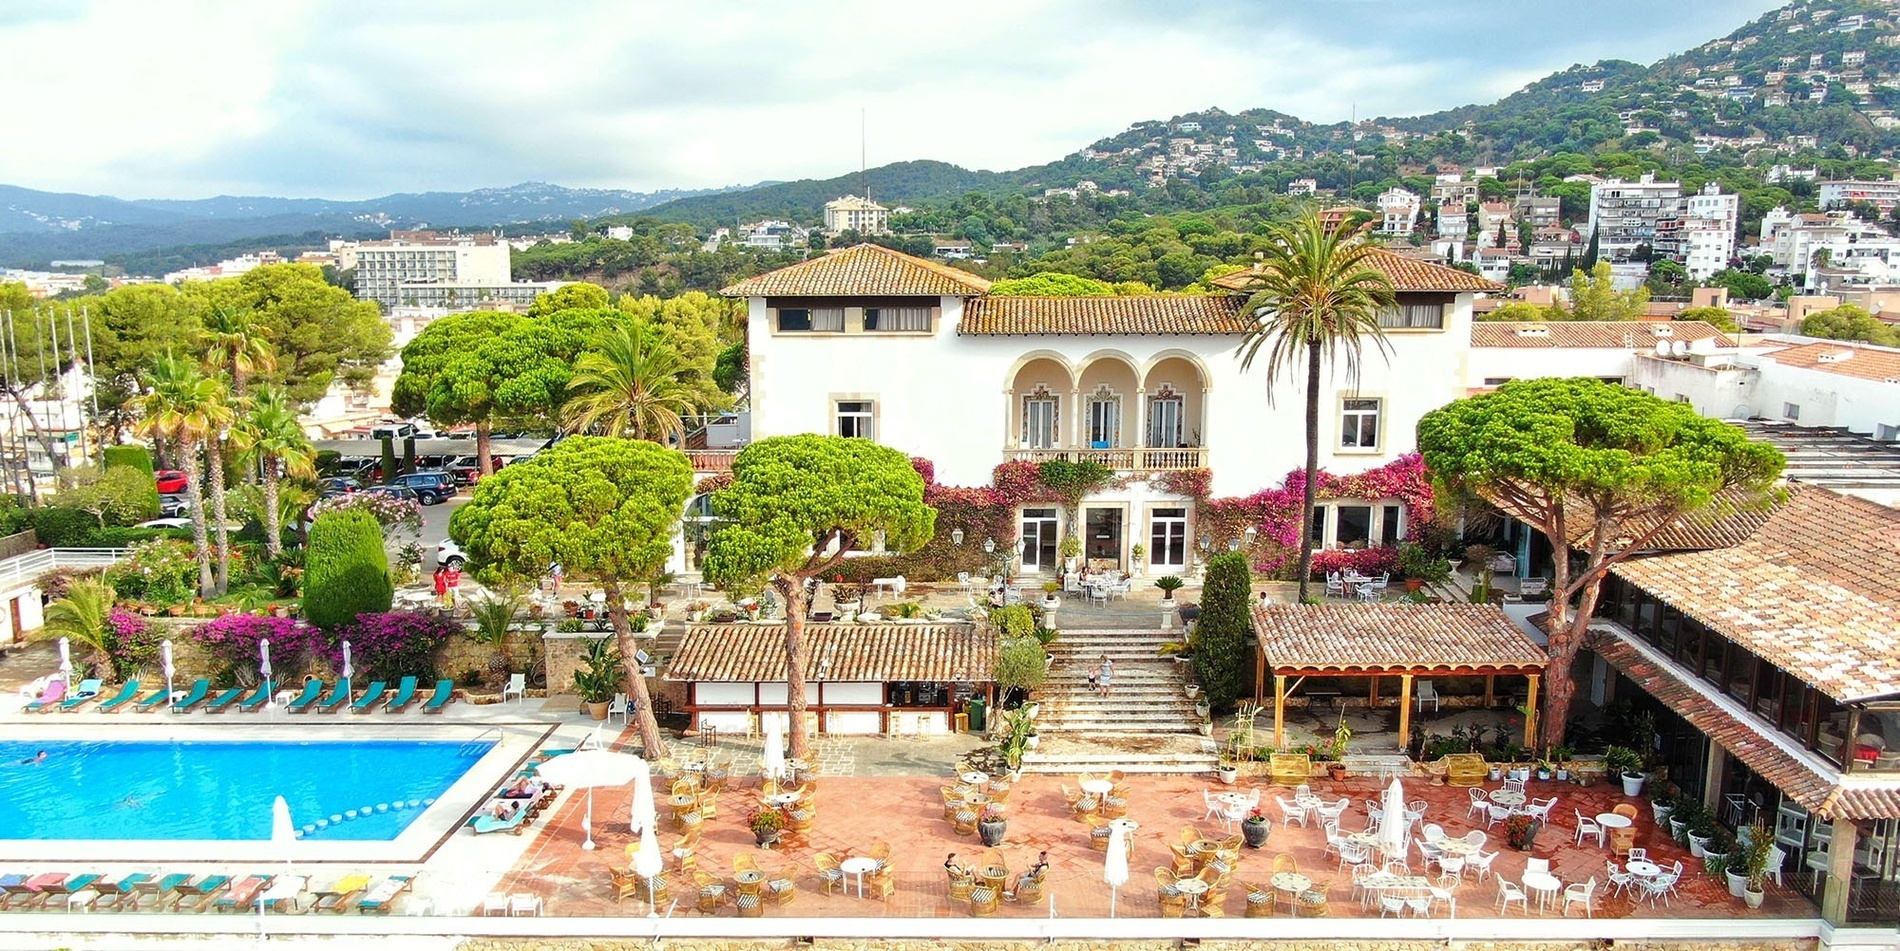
[[370, 697], [337, 697], [485, 823], [405, 694], [89, 690], [312, 689], [258, 698], [126, 695], [224, 699], [444, 691], [156, 701], [199, 689]]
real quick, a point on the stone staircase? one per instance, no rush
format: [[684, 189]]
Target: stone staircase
[[1147, 724]]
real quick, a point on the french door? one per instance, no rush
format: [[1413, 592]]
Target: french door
[[1039, 540], [1167, 539]]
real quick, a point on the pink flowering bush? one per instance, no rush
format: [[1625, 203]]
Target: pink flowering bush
[[390, 512], [391, 645], [131, 643], [1275, 513], [232, 639]]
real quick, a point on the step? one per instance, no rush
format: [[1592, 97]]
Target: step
[[1099, 752]]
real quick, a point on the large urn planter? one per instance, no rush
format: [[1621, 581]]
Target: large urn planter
[[1737, 883], [1255, 830], [992, 831], [597, 710]]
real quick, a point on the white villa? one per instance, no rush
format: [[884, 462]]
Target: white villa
[[873, 343]]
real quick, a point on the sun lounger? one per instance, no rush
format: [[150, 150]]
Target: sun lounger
[[258, 698], [312, 689], [284, 889], [336, 698], [405, 694], [44, 887], [200, 688], [88, 691], [12, 887], [70, 888], [241, 893], [484, 823], [156, 701], [444, 692], [224, 699], [336, 896], [125, 696], [165, 888], [195, 895], [117, 895], [370, 697], [383, 895], [50, 697]]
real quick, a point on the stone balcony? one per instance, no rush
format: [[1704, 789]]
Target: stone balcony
[[1134, 459]]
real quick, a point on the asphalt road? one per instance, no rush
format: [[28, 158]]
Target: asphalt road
[[435, 528]]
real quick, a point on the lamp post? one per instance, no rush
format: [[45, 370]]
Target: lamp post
[[956, 536], [1233, 544]]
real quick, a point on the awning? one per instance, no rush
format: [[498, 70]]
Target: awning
[[1351, 640], [839, 653]]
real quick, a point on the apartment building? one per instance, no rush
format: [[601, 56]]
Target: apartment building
[[422, 258], [1398, 211], [851, 213], [1881, 194], [1625, 215]]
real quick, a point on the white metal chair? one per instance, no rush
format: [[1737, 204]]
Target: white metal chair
[[1353, 856], [1445, 893], [1426, 693], [1452, 865], [1414, 811], [1213, 805], [1290, 811], [617, 707], [965, 584], [1587, 826], [495, 903], [1335, 585], [1332, 813], [1479, 804], [1540, 809], [1496, 814], [517, 685], [1481, 862], [1580, 894], [1620, 880], [1508, 893], [1537, 865]]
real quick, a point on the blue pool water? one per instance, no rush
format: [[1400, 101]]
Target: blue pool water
[[223, 789]]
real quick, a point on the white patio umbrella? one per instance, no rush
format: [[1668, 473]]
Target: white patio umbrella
[[347, 668], [165, 661], [772, 760], [65, 661], [1115, 870], [263, 664], [1392, 826], [648, 863], [641, 812], [283, 836], [590, 768]]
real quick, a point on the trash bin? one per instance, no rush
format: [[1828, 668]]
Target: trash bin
[[978, 715], [963, 723]]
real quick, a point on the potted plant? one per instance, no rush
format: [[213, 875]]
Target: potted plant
[[1070, 548], [1049, 600], [1228, 770], [1561, 755], [1342, 734], [1660, 807], [766, 825], [991, 826], [1169, 584], [1544, 769], [846, 600], [1137, 556], [1755, 864], [598, 678], [1520, 832], [1422, 566], [1623, 761], [1700, 835], [1255, 828]]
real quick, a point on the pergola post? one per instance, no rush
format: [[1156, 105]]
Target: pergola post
[[1279, 711], [1530, 713], [1490, 691], [1405, 710], [1259, 675]]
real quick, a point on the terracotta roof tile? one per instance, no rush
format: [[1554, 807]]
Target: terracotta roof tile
[[1821, 790], [863, 270], [1862, 362], [1203, 314], [1812, 591], [1406, 274], [751, 653], [1591, 334], [1392, 638]]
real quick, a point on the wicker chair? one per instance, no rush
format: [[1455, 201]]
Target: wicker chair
[[1285, 862], [712, 893], [1183, 859], [1259, 901], [1312, 902], [964, 822], [829, 874], [626, 884], [1289, 769], [1029, 889], [1114, 807], [1173, 902], [782, 887], [984, 901], [960, 885], [1465, 769], [883, 883], [744, 863], [1098, 833]]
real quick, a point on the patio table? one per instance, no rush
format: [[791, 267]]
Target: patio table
[[857, 867], [1643, 869], [1099, 788], [976, 778], [781, 800], [1389, 880], [1193, 888], [1545, 885], [1365, 840], [1293, 883], [993, 876], [1237, 800], [1610, 820], [1457, 847], [749, 877], [1507, 797]]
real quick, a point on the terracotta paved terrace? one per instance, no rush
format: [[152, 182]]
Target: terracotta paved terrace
[[907, 813]]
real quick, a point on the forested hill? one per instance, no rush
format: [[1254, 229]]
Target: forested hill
[[896, 184]]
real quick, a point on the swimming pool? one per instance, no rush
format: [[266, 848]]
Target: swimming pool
[[337, 790]]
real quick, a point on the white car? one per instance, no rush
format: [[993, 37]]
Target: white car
[[449, 554], [166, 523]]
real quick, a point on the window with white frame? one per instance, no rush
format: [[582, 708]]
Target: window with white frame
[[1359, 423], [1041, 417], [857, 419], [1414, 316], [1105, 419], [889, 319], [1357, 523], [811, 319], [1791, 411]]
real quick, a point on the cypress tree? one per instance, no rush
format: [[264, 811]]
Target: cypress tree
[[1220, 636], [346, 569]]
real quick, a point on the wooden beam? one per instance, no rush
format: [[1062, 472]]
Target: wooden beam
[[1259, 674], [1530, 713], [1405, 710], [1490, 690], [1372, 698], [1279, 711]]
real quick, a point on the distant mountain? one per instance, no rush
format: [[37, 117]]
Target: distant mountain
[[37, 225], [895, 184]]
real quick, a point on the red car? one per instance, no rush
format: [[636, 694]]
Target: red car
[[169, 481]]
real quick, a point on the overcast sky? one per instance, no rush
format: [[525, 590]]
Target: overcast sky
[[358, 99]]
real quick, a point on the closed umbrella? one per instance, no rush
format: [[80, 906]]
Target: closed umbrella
[[263, 664], [347, 668], [587, 769], [1115, 870], [165, 660], [772, 761], [65, 661], [1392, 826], [283, 835], [648, 863], [642, 813]]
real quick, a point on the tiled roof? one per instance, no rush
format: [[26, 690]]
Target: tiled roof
[[751, 653], [1406, 274], [866, 270], [1866, 363], [1812, 591], [1591, 334], [1392, 638], [1203, 314], [1823, 791]]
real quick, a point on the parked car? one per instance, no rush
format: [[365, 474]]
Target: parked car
[[467, 469], [169, 481], [173, 505], [392, 431], [399, 491], [449, 553], [337, 485], [432, 487], [166, 523]]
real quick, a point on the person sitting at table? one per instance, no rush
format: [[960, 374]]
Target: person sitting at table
[[956, 871], [1042, 865]]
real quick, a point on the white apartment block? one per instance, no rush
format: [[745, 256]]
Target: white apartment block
[[1398, 211], [389, 271], [1882, 195], [1454, 190], [1701, 237], [851, 213], [1624, 215], [1302, 186], [1857, 252]]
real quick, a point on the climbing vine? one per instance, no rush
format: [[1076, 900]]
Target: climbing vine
[[1275, 514]]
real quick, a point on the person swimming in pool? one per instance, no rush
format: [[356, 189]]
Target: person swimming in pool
[[34, 760]]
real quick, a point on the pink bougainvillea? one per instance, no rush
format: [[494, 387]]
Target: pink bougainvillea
[[1018, 481], [1275, 513]]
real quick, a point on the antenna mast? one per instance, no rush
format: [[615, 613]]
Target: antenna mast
[[864, 184]]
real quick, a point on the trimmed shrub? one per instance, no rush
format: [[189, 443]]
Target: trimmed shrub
[[1224, 628], [346, 569], [62, 527], [138, 459]]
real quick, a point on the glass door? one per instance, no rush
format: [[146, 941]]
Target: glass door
[[1104, 543], [1164, 422], [1039, 540], [1105, 423], [1167, 540], [1039, 423]]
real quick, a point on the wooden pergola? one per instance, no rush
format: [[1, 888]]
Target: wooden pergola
[[1299, 641]]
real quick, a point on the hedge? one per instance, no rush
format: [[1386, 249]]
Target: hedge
[[346, 569], [1223, 630]]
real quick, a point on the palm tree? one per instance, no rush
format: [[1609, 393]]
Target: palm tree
[[181, 409], [1316, 297], [84, 616], [269, 436], [630, 386], [237, 344]]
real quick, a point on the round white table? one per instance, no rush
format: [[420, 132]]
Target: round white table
[[1507, 797], [1610, 820], [976, 779], [1545, 885], [1193, 888], [1098, 787], [1238, 800], [1643, 869], [1293, 883], [857, 867], [1455, 847], [781, 799]]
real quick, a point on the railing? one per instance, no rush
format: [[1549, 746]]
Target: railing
[[35, 563], [1121, 460]]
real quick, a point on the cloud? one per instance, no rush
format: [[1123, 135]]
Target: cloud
[[356, 99]]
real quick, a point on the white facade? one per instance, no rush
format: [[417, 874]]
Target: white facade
[[1398, 210], [1624, 214], [863, 215], [1882, 195], [425, 257], [1857, 252]]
